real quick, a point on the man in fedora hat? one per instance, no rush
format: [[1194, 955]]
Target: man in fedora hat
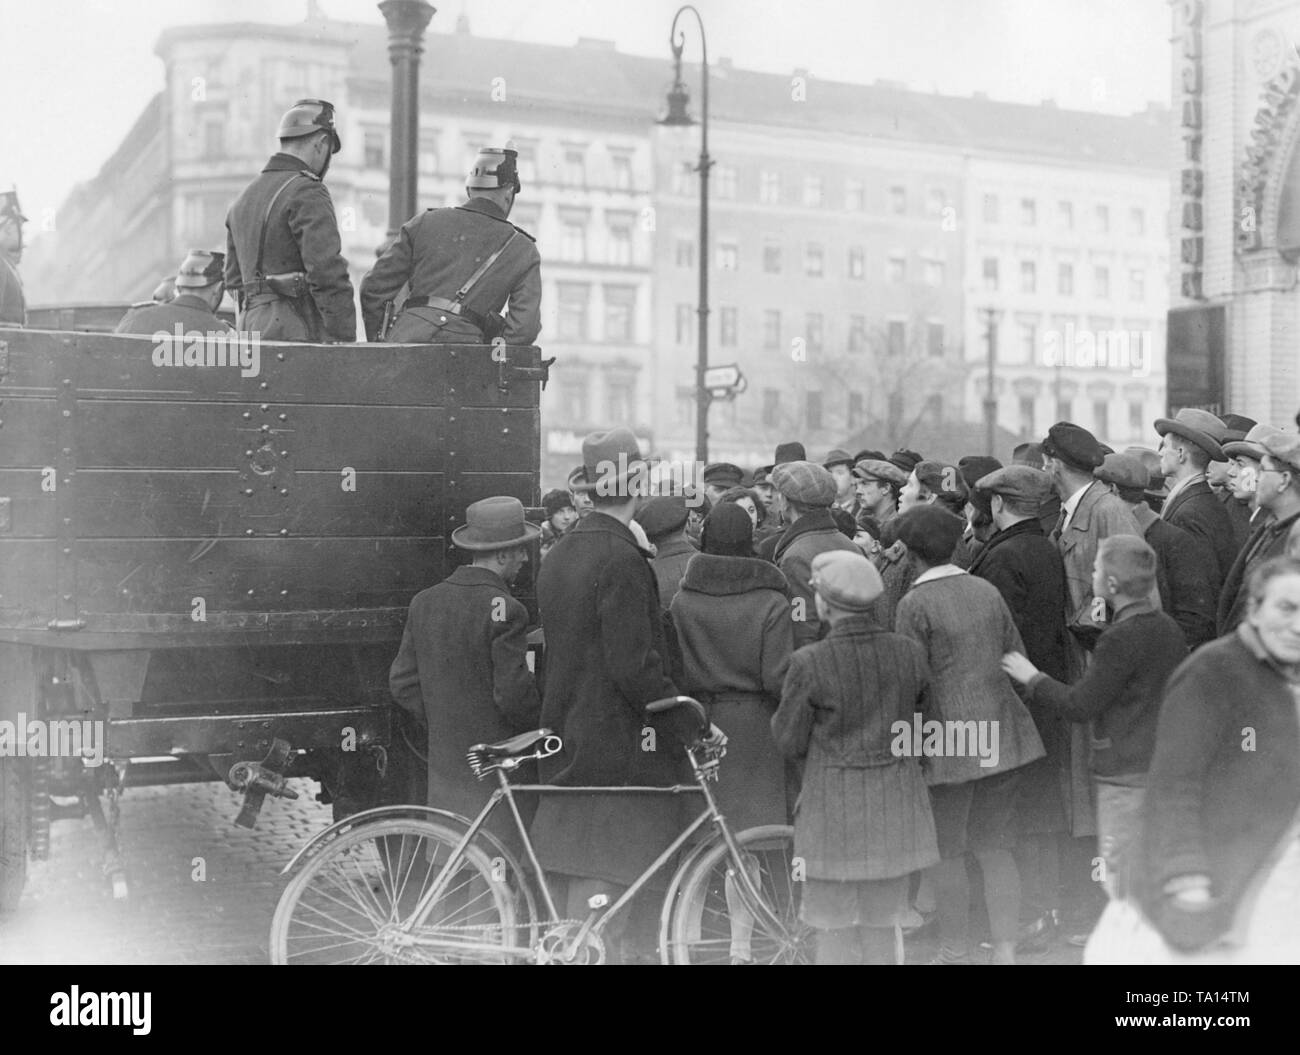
[[462, 670], [606, 658], [1190, 440], [200, 285]]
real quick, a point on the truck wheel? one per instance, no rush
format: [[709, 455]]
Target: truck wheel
[[13, 833]]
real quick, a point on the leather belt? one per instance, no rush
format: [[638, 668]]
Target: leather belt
[[451, 307]]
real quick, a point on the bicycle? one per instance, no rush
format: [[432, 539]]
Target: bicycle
[[414, 884]]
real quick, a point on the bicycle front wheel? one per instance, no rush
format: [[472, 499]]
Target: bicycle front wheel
[[711, 919], [356, 901]]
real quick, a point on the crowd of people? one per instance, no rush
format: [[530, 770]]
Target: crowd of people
[[1081, 668]]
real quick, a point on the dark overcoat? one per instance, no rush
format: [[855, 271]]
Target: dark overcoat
[[1197, 510], [669, 566], [462, 672], [811, 534], [187, 310], [605, 660], [1183, 576], [302, 234], [1267, 540], [13, 305], [436, 253], [864, 811], [733, 624]]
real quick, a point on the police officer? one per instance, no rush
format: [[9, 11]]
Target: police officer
[[462, 265], [13, 305], [284, 259], [200, 284]]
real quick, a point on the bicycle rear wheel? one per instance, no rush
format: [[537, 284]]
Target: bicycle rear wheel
[[708, 921], [349, 903]]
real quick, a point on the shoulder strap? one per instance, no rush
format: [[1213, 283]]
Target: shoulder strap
[[266, 220], [473, 279]]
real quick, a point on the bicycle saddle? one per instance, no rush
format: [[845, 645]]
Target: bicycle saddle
[[514, 747]]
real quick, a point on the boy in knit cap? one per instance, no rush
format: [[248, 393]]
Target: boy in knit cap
[[863, 823]]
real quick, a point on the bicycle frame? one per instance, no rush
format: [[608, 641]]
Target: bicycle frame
[[505, 792]]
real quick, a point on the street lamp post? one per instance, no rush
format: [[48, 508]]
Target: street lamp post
[[990, 397], [677, 116], [406, 20]]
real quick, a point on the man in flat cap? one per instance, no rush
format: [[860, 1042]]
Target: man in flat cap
[[463, 266], [839, 463], [200, 285], [1182, 560], [1049, 513], [664, 521], [462, 670], [284, 257], [13, 305], [719, 477], [1189, 442], [1277, 491], [804, 494], [878, 483], [1025, 566]]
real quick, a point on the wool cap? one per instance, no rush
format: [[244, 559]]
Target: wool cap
[[846, 580]]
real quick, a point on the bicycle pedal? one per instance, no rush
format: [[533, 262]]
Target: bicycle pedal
[[597, 902]]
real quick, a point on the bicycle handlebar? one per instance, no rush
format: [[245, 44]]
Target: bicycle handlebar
[[669, 702]]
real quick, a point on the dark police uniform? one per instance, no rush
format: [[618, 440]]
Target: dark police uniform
[[436, 253], [302, 235], [13, 305], [186, 309]]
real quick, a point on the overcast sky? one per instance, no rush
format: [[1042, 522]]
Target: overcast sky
[[77, 73]]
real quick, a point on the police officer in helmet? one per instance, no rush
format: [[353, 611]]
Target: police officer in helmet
[[463, 265], [13, 305], [200, 285], [284, 257]]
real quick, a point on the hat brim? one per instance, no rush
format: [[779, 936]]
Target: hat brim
[[581, 485], [1203, 440], [531, 534], [1244, 449]]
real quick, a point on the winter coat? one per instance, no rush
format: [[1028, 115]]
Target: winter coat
[[1199, 512], [810, 535]]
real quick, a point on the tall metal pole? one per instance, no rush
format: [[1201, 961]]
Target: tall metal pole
[[990, 399], [406, 20], [702, 398]]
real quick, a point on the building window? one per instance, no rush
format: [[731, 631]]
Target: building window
[[1137, 222], [898, 200], [991, 274], [1101, 282], [1027, 416], [1100, 418], [934, 406], [769, 188], [573, 240], [934, 272], [1101, 217], [214, 138], [814, 331], [771, 328], [620, 242], [575, 167], [573, 298], [728, 256], [935, 200], [1028, 341], [1064, 408], [526, 164], [934, 339], [814, 261], [725, 177], [990, 208], [373, 150], [620, 316], [855, 195], [857, 411], [896, 269], [772, 257], [1065, 279], [684, 253], [1137, 285], [1028, 212], [620, 168], [620, 398], [897, 338], [1137, 420], [685, 323], [812, 192], [771, 407], [857, 333], [429, 154], [727, 327], [1065, 215], [857, 262], [683, 177], [813, 410], [573, 408], [1028, 276]]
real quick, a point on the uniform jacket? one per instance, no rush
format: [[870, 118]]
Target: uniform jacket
[[669, 565], [1098, 515], [863, 812], [964, 628], [1267, 540], [732, 616], [1182, 576], [1119, 693], [186, 309], [1212, 808], [462, 672], [605, 660], [13, 305], [810, 535], [435, 254], [1199, 512], [302, 235]]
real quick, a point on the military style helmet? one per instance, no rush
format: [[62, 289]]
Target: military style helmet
[[493, 168], [307, 116], [9, 207], [201, 267]]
